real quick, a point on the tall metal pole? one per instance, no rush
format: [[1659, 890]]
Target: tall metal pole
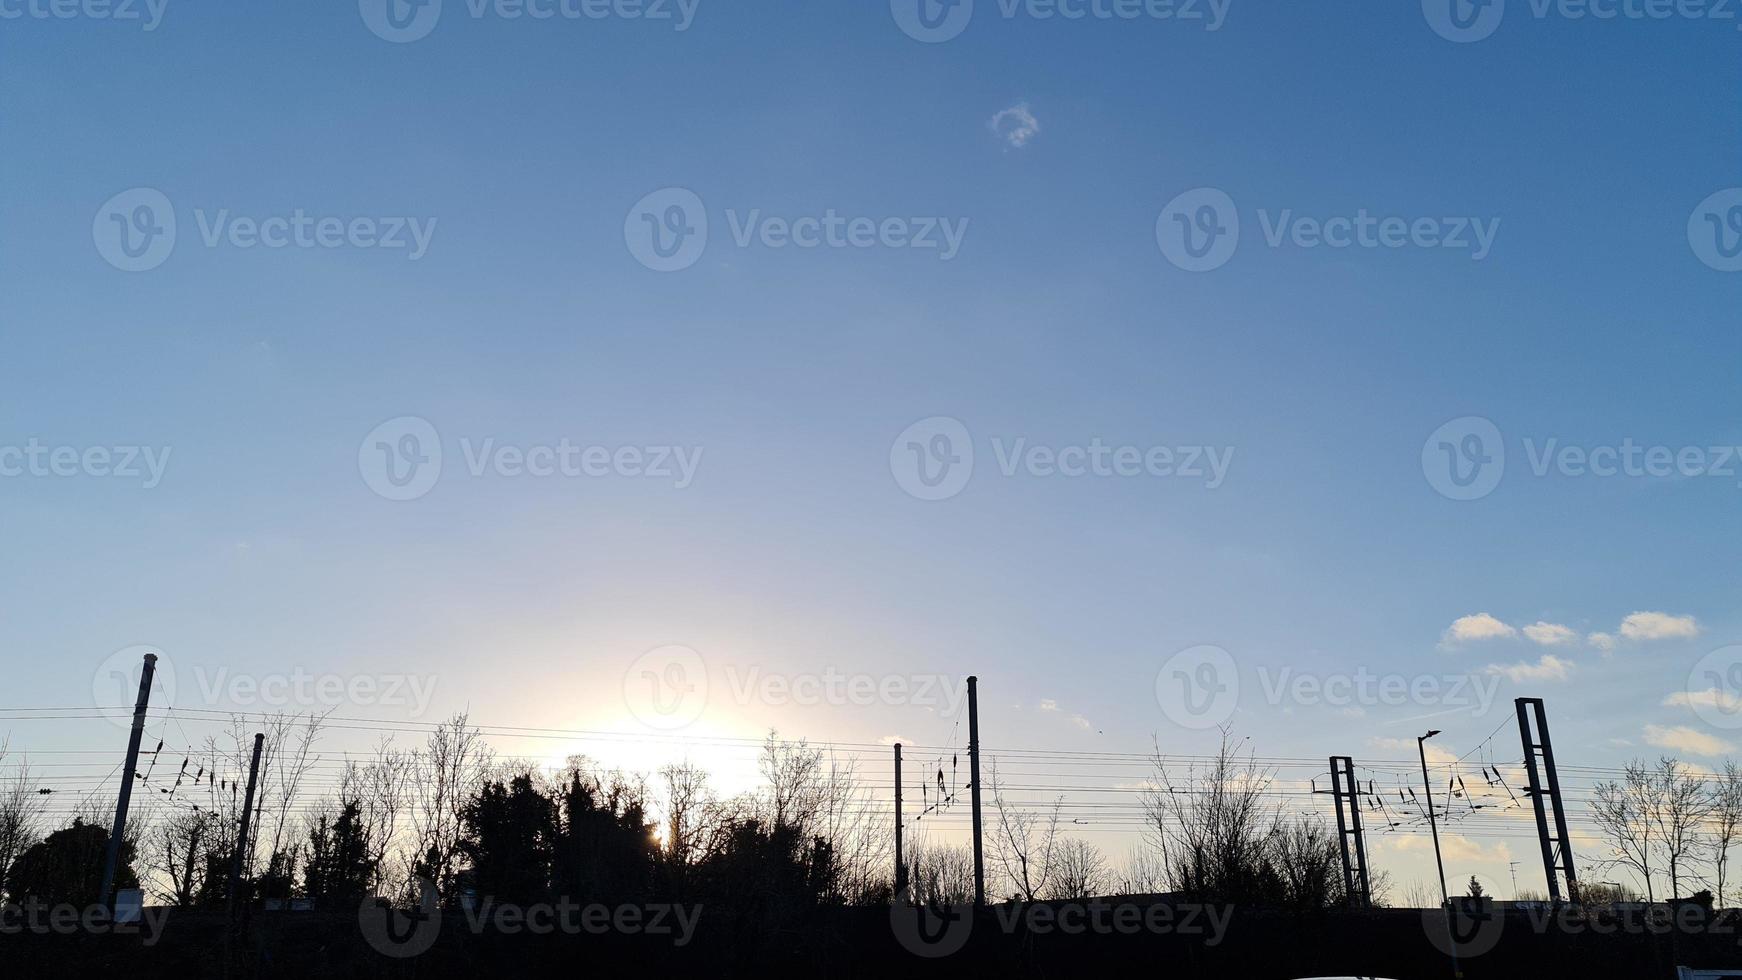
[[1433, 825], [247, 811], [974, 786], [112, 857], [900, 860], [1540, 748]]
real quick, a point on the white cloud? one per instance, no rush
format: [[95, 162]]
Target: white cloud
[[1015, 125], [1658, 626], [1048, 704], [1481, 626], [1551, 634], [1711, 697], [1684, 739], [893, 739], [1436, 756], [1549, 668], [1604, 642]]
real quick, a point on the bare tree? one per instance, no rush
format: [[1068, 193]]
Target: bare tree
[[940, 875], [1143, 872], [446, 771], [21, 812], [1625, 813], [1726, 822], [1684, 804], [178, 846], [1024, 842], [381, 787], [1214, 827], [1080, 871], [1309, 863]]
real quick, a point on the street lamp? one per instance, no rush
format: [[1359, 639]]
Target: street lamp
[[1433, 825]]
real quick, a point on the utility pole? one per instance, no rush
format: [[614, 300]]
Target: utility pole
[[1557, 848], [112, 858], [1433, 825], [247, 811], [900, 861], [1355, 881], [974, 786]]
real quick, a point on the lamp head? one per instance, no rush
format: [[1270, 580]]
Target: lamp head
[[1431, 733]]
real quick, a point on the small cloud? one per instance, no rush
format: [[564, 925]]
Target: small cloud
[[1658, 626], [1549, 668], [1015, 125], [1602, 642], [1481, 626], [1684, 739], [1711, 697], [1551, 634], [894, 740], [1048, 704], [1436, 756]]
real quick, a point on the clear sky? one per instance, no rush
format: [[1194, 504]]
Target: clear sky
[[530, 153]]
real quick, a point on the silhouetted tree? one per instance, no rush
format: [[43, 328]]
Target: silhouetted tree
[[341, 859], [509, 838], [67, 866]]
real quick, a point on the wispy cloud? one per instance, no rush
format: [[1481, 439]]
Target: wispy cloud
[[1602, 642], [1711, 697], [1015, 125], [1684, 739], [1549, 668], [1551, 634]]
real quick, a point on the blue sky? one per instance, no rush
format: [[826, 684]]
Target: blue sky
[[1058, 321]]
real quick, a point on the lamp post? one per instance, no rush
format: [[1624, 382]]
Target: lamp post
[[1433, 825]]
